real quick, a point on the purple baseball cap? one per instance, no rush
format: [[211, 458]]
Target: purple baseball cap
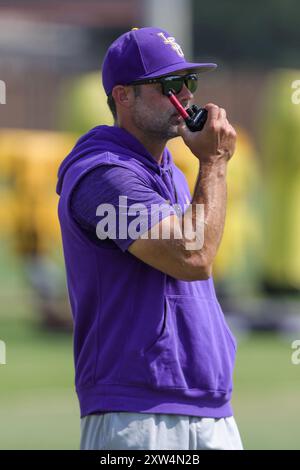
[[144, 53]]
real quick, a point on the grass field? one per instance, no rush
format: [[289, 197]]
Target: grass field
[[38, 405]]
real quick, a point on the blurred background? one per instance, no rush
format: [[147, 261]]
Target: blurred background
[[50, 93]]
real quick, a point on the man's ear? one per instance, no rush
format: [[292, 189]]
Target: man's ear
[[123, 95]]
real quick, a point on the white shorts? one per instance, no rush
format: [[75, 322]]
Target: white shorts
[[144, 431]]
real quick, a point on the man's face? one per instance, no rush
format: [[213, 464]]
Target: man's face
[[154, 114]]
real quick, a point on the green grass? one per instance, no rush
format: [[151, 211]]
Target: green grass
[[39, 409], [266, 395], [38, 404]]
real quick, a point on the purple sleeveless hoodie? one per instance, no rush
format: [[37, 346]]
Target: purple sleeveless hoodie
[[143, 341]]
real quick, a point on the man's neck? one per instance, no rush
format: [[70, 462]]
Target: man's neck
[[154, 147]]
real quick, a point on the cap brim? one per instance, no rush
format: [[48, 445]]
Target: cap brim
[[197, 68]]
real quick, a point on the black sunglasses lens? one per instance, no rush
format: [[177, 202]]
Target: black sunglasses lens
[[191, 83], [175, 84]]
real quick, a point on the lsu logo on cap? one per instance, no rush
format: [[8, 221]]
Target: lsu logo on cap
[[171, 41]]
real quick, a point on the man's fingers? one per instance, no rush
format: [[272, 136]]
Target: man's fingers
[[222, 114], [213, 111]]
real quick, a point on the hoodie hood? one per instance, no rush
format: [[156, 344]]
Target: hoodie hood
[[115, 140]]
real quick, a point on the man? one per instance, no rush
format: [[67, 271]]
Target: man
[[153, 354]]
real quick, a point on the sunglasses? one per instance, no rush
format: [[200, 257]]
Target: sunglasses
[[173, 83]]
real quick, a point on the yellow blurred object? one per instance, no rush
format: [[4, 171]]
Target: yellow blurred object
[[28, 172], [279, 127], [84, 104], [185, 160]]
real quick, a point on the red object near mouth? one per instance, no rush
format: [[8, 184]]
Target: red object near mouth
[[177, 105]]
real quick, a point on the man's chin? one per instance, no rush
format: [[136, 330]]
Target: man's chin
[[173, 129]]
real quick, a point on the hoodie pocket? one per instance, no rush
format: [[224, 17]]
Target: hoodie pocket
[[195, 349]]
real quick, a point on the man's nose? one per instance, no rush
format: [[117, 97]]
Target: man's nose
[[185, 93]]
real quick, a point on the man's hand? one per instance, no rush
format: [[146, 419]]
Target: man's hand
[[217, 139]]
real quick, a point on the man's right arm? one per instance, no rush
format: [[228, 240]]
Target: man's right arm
[[214, 146]]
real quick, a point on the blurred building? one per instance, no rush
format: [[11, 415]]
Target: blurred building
[[45, 43]]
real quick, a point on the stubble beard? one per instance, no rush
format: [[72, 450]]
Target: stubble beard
[[157, 125]]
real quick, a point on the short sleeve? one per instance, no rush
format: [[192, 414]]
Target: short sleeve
[[113, 202]]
